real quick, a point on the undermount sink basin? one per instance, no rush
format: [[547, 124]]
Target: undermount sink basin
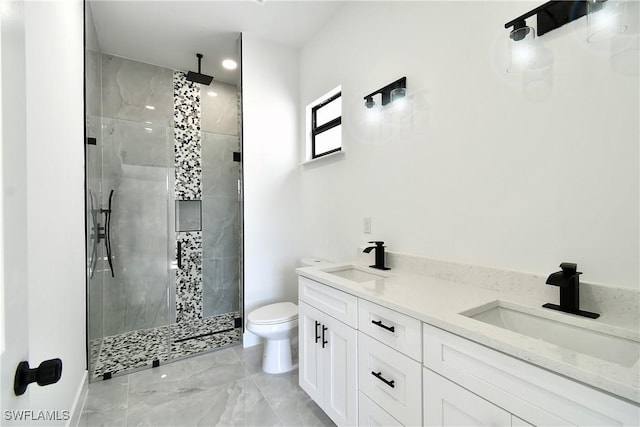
[[570, 332], [355, 274]]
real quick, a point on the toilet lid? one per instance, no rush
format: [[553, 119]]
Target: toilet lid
[[274, 313]]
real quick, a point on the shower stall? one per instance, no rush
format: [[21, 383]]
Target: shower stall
[[163, 215]]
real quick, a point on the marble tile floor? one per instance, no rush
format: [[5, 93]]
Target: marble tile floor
[[221, 388]]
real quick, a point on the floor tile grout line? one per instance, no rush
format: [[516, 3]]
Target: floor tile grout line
[[126, 411], [265, 399]]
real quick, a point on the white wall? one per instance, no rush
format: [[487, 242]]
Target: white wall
[[271, 190], [483, 174], [55, 196], [14, 202]]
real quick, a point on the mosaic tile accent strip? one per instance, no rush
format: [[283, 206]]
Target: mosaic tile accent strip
[[188, 165], [186, 103], [188, 186], [189, 278], [138, 349]]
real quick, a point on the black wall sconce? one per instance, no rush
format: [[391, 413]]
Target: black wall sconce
[[390, 92], [551, 15]]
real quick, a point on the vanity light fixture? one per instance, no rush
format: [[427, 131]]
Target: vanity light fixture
[[149, 107], [212, 93], [551, 15], [390, 92]]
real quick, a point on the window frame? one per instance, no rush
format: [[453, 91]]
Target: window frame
[[317, 130]]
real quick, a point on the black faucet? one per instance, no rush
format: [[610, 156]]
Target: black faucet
[[379, 247], [569, 282]]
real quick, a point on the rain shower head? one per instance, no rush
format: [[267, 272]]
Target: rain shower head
[[199, 77]]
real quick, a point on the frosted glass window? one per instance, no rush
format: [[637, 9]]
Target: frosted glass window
[[326, 125]]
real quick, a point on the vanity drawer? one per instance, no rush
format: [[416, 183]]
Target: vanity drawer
[[371, 415], [397, 330], [390, 379], [338, 304]]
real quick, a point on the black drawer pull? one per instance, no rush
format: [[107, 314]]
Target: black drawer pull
[[324, 329], [317, 333], [379, 323], [379, 376]]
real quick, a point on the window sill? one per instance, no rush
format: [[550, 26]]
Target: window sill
[[317, 159]]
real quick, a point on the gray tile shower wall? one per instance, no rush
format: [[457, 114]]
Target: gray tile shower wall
[[136, 297], [220, 112], [129, 87], [220, 223]]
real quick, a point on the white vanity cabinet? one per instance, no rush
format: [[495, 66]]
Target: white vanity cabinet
[[366, 364], [327, 350], [468, 383]]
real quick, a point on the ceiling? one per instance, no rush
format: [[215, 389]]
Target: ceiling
[[170, 33]]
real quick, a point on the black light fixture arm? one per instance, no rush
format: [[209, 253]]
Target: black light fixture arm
[[552, 15], [517, 22], [386, 90]]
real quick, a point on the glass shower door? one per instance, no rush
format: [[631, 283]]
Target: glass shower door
[[129, 275]]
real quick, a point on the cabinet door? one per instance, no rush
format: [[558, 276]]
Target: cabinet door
[[339, 363], [448, 404], [309, 328]]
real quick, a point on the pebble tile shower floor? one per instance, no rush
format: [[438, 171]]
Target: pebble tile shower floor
[[137, 349], [222, 388]]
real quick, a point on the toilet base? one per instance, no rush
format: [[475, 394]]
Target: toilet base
[[277, 357]]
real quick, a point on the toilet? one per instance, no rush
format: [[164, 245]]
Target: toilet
[[277, 324]]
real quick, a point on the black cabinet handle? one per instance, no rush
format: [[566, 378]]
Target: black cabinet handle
[[379, 376], [317, 333], [379, 323], [324, 329], [179, 254]]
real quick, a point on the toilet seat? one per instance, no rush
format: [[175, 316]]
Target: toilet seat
[[271, 314]]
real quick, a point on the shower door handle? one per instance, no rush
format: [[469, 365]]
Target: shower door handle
[[179, 255]]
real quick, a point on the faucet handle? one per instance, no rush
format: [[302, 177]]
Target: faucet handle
[[569, 268], [377, 242]]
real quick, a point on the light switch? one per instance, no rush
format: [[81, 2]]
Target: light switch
[[366, 225]]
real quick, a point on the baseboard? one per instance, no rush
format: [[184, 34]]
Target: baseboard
[[80, 400]]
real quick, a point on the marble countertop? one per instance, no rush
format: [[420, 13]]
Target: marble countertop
[[439, 302]]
